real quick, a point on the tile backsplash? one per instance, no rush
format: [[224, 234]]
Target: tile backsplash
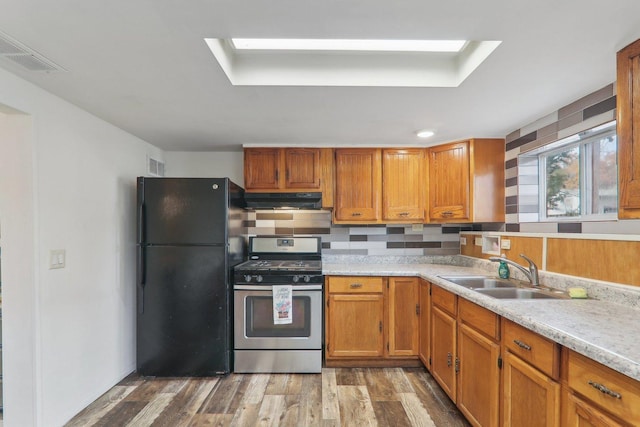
[[383, 239]]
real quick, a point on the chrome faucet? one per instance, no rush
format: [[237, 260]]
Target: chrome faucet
[[531, 273]]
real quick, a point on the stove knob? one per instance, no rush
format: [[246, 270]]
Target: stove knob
[[295, 279], [247, 278], [258, 278], [307, 279]]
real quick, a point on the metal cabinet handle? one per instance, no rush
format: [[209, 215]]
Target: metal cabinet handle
[[522, 345], [355, 285], [447, 213], [356, 214], [403, 214], [604, 389], [457, 368], [449, 359], [380, 326]]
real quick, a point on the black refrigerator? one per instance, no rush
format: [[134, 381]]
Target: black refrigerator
[[190, 235]]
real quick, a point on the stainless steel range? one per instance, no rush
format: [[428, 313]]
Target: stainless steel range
[[292, 268]]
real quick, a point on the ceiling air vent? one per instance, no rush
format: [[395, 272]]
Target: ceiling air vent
[[18, 53]]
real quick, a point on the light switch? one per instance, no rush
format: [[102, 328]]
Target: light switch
[[463, 241], [505, 244], [57, 258], [417, 227]]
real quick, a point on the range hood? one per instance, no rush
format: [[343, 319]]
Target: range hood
[[283, 200]]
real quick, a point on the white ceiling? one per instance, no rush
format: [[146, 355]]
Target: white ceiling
[[144, 66]]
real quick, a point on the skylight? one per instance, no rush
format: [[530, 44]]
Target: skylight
[[354, 62], [350, 45]]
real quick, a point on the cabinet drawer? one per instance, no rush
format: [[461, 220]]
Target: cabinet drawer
[[535, 349], [355, 284], [480, 319], [611, 390], [443, 299]]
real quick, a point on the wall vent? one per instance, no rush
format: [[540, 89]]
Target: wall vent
[[13, 50], [155, 167]]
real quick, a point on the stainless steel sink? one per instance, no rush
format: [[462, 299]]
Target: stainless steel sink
[[522, 293], [482, 282], [505, 288]]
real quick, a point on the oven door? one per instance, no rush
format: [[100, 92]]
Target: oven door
[[254, 328]]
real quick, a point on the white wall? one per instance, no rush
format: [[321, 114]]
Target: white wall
[[67, 182], [206, 165]]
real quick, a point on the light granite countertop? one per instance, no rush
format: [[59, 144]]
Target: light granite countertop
[[603, 329]]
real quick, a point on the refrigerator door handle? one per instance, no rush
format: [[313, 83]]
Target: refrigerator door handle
[[142, 277], [141, 216]]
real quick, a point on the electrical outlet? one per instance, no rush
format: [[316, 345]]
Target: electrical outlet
[[57, 258], [505, 244], [463, 241], [417, 227], [478, 241]]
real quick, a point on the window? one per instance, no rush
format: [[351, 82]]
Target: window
[[576, 176]]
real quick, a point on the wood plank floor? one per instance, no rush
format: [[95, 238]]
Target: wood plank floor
[[395, 397]]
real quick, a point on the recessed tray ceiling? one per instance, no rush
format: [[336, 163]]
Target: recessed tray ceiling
[[352, 68]]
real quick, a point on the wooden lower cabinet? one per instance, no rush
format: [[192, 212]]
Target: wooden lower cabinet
[[372, 321], [495, 371], [354, 317], [604, 394], [530, 398], [404, 311], [478, 355], [355, 326], [580, 413], [443, 349], [424, 351]]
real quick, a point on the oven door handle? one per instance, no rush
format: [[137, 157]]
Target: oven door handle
[[269, 288]]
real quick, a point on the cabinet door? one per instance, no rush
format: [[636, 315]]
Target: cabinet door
[[478, 377], [443, 345], [530, 398], [449, 182], [358, 182], [425, 322], [404, 337], [354, 325], [628, 112], [302, 168], [262, 168], [583, 414], [402, 184]]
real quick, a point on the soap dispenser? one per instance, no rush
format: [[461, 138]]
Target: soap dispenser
[[503, 269]]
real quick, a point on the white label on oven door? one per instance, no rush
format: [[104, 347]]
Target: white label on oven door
[[282, 304]]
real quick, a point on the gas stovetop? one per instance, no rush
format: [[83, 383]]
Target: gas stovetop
[[281, 265], [281, 260]]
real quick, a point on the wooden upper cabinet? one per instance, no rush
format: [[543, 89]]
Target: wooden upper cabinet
[[290, 170], [358, 181], [628, 129], [403, 181], [293, 169], [302, 168], [466, 181], [449, 182], [262, 168]]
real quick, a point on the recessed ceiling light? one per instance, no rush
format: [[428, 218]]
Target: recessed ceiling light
[[425, 133], [351, 44]]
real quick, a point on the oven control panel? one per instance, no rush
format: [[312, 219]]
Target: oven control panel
[[275, 279]]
